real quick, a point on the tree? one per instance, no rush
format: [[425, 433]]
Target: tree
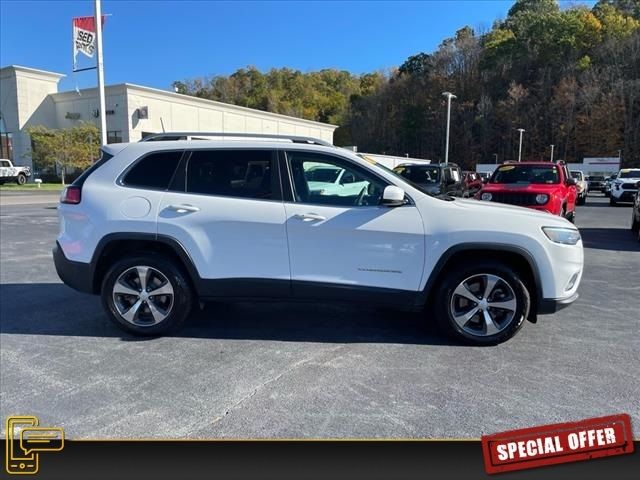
[[75, 147]]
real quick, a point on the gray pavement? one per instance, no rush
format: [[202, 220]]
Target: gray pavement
[[300, 370]]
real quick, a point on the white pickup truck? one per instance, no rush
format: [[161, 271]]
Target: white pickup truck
[[10, 173]]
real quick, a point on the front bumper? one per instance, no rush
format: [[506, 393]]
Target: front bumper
[[553, 305], [623, 195], [77, 275]]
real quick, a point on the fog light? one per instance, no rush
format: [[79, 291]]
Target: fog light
[[486, 196], [542, 198], [572, 282]]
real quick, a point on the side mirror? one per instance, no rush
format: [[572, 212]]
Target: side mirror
[[571, 181], [393, 196]]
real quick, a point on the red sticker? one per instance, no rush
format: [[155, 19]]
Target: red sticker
[[558, 443]]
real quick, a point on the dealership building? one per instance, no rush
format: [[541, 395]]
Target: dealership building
[[30, 97]]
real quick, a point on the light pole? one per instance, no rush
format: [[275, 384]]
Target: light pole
[[496, 157], [521, 130], [552, 145], [449, 96]]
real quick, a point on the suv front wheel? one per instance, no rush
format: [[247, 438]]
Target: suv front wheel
[[146, 295], [484, 303]]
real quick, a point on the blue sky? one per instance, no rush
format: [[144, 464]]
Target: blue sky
[[156, 42]]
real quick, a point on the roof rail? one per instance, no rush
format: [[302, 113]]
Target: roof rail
[[199, 135]]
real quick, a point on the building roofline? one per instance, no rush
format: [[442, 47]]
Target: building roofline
[[37, 71]]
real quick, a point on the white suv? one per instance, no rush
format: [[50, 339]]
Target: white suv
[[156, 226], [625, 186]]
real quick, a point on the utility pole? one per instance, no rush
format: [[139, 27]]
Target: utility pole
[[449, 96], [103, 112], [552, 145], [521, 130], [495, 155]]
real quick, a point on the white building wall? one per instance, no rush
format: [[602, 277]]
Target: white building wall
[[25, 101], [185, 113]]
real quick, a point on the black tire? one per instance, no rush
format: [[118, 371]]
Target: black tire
[[445, 301], [21, 179], [180, 306], [582, 200], [1, 182], [612, 202], [571, 216]]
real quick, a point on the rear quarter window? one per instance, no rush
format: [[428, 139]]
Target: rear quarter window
[[153, 171]]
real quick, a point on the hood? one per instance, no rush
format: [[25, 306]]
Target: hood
[[479, 208], [528, 188]]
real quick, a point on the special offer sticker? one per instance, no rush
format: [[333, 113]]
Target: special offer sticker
[[558, 443]]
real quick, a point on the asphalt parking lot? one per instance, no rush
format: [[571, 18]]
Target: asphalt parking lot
[[307, 370]]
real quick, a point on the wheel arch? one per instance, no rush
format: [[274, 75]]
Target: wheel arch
[[517, 257], [115, 245]]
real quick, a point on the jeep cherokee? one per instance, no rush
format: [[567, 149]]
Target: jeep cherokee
[[154, 227]]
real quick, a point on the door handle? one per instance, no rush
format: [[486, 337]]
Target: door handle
[[306, 217], [184, 208]]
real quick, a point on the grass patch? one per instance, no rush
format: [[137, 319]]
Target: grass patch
[[31, 187]]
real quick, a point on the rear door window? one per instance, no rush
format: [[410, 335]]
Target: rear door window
[[232, 173]]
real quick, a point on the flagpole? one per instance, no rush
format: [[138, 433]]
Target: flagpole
[[103, 112]]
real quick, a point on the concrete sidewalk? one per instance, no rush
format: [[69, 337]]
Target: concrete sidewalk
[[28, 198]]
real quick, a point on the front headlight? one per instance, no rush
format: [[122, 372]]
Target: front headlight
[[565, 236], [486, 196], [542, 198]]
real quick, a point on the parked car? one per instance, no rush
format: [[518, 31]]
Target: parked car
[[596, 183], [435, 178], [472, 183], [330, 180], [581, 186], [157, 226], [11, 173], [542, 186], [635, 213], [607, 184], [624, 188]]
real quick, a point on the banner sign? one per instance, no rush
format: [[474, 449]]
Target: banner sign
[[84, 37], [558, 443]]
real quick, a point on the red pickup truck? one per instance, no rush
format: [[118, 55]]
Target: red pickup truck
[[546, 186]]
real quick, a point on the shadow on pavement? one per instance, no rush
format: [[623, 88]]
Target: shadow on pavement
[[614, 239], [55, 309]]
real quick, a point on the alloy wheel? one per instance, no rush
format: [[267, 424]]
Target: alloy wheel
[[143, 296], [483, 304]]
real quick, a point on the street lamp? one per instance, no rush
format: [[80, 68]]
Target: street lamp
[[496, 157], [449, 96], [552, 145], [521, 130]]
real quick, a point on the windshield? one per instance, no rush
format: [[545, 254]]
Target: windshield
[[596, 178], [577, 175], [322, 174], [419, 174], [526, 174], [629, 174]]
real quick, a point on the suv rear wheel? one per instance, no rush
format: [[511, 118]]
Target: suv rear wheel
[[484, 303], [146, 295]]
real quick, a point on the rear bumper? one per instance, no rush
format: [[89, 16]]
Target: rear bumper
[[77, 275], [553, 305]]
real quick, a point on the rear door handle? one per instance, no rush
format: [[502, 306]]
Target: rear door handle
[[305, 217], [184, 208]]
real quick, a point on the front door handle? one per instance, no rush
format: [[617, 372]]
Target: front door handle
[[306, 217], [184, 208]]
